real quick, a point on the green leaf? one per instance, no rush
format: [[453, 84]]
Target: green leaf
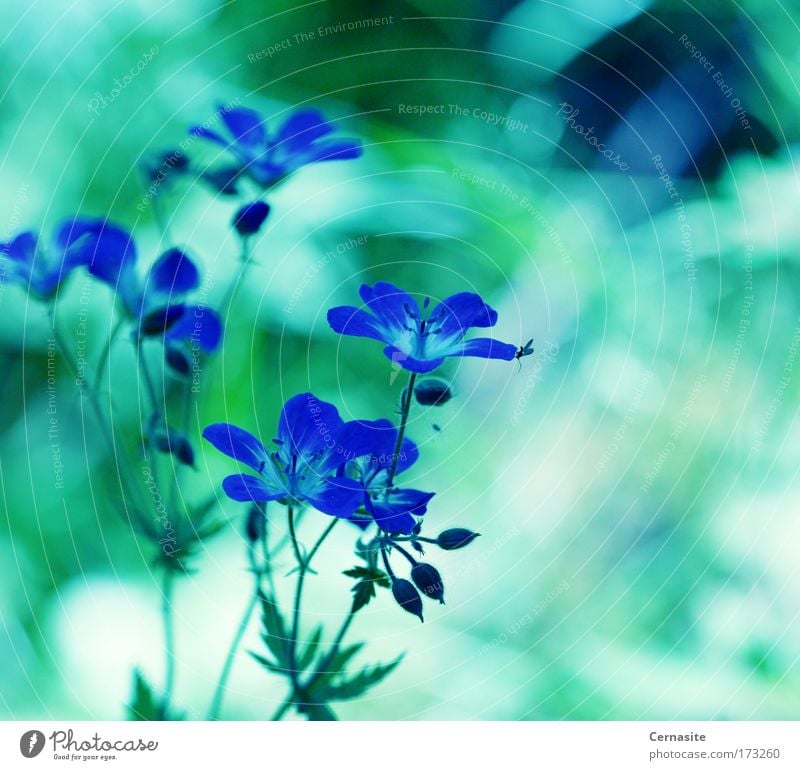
[[356, 685], [144, 706], [363, 680], [364, 590], [267, 663], [274, 635], [317, 712], [342, 658], [310, 649]]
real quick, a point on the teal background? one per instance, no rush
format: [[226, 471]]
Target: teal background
[[635, 483]]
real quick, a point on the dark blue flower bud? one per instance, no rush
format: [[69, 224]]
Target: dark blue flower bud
[[433, 392], [427, 578], [160, 321], [453, 539], [407, 597], [256, 523], [175, 443], [177, 360], [249, 218]]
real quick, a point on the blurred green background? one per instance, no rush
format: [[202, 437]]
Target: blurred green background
[[635, 483]]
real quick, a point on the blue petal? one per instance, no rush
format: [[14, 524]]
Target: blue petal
[[174, 274], [411, 364], [238, 444], [484, 347], [337, 496], [246, 127], [455, 315], [391, 305], [356, 323], [21, 249], [244, 488], [409, 454], [375, 438], [336, 149], [200, 326], [308, 426], [395, 513], [301, 130], [107, 250], [204, 133]]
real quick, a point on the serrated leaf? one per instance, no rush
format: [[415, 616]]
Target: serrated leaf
[[363, 594], [359, 683], [310, 649], [342, 658], [317, 712], [357, 572], [267, 663], [144, 706], [274, 635]]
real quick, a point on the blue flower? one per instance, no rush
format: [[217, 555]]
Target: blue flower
[[269, 157], [392, 508], [157, 301], [313, 444], [416, 341], [42, 268]]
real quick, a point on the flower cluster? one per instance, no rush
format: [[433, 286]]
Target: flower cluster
[[348, 469]]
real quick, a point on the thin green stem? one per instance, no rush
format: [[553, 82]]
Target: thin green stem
[[405, 409], [328, 659], [104, 355], [149, 385], [405, 553], [169, 638], [219, 692], [283, 708], [303, 565]]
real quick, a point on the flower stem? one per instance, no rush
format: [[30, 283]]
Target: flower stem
[[405, 409], [219, 692], [169, 638], [283, 708], [101, 364], [302, 567], [326, 661]]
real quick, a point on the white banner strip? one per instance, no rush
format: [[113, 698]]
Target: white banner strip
[[402, 745]]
